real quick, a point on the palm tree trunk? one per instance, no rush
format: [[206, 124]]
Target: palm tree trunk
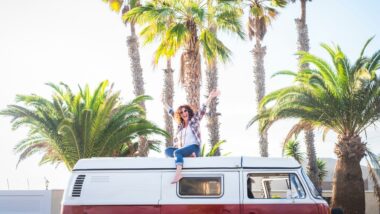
[[138, 82], [191, 68], [191, 72], [259, 81], [168, 94], [348, 184], [213, 120], [312, 167], [303, 45], [212, 83]]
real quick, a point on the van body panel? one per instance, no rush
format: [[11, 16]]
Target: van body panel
[[280, 209], [323, 208], [117, 188], [215, 185]]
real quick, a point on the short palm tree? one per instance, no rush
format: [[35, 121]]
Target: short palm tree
[[344, 98], [261, 14], [322, 168], [213, 150], [73, 126], [292, 149], [187, 31]]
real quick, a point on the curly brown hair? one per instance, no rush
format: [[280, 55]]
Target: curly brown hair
[[177, 114]]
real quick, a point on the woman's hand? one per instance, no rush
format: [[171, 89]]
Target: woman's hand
[[214, 93], [166, 106]]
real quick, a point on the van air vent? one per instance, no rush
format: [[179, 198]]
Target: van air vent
[[78, 186]]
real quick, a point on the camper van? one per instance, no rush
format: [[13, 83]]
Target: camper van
[[212, 185]]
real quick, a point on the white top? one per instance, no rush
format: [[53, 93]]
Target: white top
[[201, 162], [187, 137]]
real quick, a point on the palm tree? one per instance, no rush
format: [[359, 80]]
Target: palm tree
[[344, 98], [303, 36], [187, 31], [292, 149], [322, 168], [73, 126], [212, 69], [261, 14], [374, 173], [303, 45], [213, 150], [134, 55], [167, 96]]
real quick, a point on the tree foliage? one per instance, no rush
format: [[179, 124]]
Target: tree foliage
[[342, 97], [71, 126], [172, 23]]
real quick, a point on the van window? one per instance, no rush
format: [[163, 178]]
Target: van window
[[200, 186], [312, 188], [274, 186]]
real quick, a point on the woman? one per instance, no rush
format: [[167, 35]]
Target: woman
[[188, 139]]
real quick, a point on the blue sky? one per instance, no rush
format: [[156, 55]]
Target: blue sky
[[83, 42]]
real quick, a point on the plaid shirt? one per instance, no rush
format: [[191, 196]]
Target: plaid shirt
[[193, 123]]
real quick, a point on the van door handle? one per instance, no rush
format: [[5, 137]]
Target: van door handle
[[252, 212]]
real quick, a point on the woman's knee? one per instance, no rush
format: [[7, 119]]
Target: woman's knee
[[169, 152], [177, 153]]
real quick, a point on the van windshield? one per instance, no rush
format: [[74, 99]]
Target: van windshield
[[311, 186]]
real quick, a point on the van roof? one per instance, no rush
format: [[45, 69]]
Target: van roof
[[135, 163]]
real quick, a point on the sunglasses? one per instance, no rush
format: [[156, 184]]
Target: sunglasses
[[183, 111]]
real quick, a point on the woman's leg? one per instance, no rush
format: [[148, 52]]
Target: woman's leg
[[179, 155], [169, 152]]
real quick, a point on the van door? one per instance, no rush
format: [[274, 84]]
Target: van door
[[201, 192], [275, 193]]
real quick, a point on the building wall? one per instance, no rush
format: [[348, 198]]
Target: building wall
[[30, 201]]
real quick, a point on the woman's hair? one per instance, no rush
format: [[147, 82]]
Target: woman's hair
[[177, 114]]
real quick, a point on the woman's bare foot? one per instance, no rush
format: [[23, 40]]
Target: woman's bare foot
[[177, 178]]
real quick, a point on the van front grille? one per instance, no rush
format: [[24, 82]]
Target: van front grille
[[78, 186]]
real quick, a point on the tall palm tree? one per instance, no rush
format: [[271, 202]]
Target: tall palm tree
[[73, 126], [261, 14], [188, 31], [167, 96], [212, 68], [302, 30], [303, 45], [134, 55], [344, 98]]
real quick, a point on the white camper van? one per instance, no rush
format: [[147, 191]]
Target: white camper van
[[236, 185]]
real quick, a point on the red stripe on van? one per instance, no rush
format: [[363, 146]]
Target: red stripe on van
[[197, 209], [280, 209]]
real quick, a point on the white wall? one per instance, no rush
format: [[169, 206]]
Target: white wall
[[30, 201]]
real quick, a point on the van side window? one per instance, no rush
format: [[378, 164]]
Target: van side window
[[200, 186], [274, 186]]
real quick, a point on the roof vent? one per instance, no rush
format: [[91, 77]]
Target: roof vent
[[78, 186]]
